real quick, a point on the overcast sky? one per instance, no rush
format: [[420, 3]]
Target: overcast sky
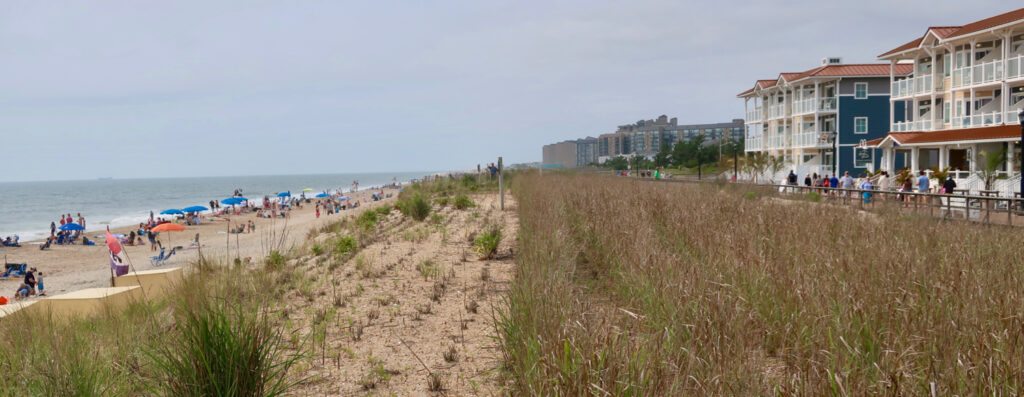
[[188, 88]]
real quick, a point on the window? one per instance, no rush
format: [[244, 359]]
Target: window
[[945, 112], [860, 125], [946, 65], [860, 90]]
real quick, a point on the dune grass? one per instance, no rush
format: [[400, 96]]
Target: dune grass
[[634, 288]]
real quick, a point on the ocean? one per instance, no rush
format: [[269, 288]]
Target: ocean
[[27, 208]]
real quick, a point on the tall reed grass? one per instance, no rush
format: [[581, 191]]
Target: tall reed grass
[[634, 288]]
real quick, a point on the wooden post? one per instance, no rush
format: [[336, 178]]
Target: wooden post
[[501, 183]]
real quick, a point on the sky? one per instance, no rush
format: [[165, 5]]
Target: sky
[[137, 89]]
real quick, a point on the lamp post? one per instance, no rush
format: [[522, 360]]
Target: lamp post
[[1020, 119]]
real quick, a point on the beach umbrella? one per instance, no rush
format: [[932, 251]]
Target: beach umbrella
[[234, 200], [71, 227], [343, 198], [307, 189], [172, 211], [194, 208], [284, 194], [322, 195], [167, 227]]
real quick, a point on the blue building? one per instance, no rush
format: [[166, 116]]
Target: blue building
[[819, 120]]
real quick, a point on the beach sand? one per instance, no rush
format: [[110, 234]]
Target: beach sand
[[68, 268]]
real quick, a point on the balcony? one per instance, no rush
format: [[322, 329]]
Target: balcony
[[917, 125], [1013, 115], [983, 73], [754, 116], [978, 120], [777, 111], [807, 106], [813, 139], [1015, 67], [752, 144], [921, 85]]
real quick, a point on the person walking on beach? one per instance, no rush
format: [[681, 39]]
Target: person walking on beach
[[152, 240], [949, 185], [39, 284], [53, 228], [846, 183], [833, 182], [81, 220], [63, 220]]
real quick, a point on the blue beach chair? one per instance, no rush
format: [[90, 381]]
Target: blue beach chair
[[14, 270], [160, 259]]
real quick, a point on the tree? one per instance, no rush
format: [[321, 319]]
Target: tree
[[664, 156], [991, 166], [617, 163], [776, 164]]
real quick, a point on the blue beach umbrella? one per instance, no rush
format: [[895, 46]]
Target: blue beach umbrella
[[343, 198], [194, 208], [71, 227], [172, 211], [322, 195], [234, 200], [284, 194]]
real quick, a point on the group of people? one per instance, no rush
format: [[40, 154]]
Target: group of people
[[31, 285], [245, 227], [881, 182], [11, 241]]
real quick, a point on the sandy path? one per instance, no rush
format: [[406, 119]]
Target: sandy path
[[71, 268]]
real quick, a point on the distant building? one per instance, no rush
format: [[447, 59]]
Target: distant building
[[643, 138], [571, 154]]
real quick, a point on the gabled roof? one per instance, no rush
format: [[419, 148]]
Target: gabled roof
[[946, 33], [846, 70], [989, 23], [995, 133]]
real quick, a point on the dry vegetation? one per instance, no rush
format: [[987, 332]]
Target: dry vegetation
[[629, 288], [396, 305]]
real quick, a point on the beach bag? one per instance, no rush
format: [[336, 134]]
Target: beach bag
[[3, 300]]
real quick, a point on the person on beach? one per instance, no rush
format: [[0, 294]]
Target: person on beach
[[53, 228], [22, 292], [949, 185], [866, 185], [152, 241], [30, 279], [833, 182], [908, 186], [39, 284], [81, 220], [63, 220], [318, 211]]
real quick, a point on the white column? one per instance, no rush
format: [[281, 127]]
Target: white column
[[1004, 105], [943, 156], [974, 158], [892, 103], [914, 160], [935, 78]]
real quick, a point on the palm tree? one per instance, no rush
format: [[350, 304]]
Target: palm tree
[[990, 168]]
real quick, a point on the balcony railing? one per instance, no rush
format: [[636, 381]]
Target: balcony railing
[[754, 116], [982, 73], [1015, 67], [776, 111], [752, 144], [806, 106], [916, 125], [978, 120], [813, 139], [913, 86], [1013, 115]]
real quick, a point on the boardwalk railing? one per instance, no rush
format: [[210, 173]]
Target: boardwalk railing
[[987, 208]]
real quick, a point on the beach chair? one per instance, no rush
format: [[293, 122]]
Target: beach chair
[[159, 260], [14, 270]]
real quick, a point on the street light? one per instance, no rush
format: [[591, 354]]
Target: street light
[[1020, 118]]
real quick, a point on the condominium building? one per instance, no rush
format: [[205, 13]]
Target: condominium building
[[799, 115], [962, 99], [571, 154], [647, 137]]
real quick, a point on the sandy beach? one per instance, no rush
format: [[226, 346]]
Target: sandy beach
[[68, 268]]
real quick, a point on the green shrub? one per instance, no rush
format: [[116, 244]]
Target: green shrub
[[469, 182], [487, 243], [367, 220], [383, 211], [442, 202], [344, 245], [813, 196], [317, 249], [750, 195], [415, 206], [274, 260], [222, 349], [462, 202]]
